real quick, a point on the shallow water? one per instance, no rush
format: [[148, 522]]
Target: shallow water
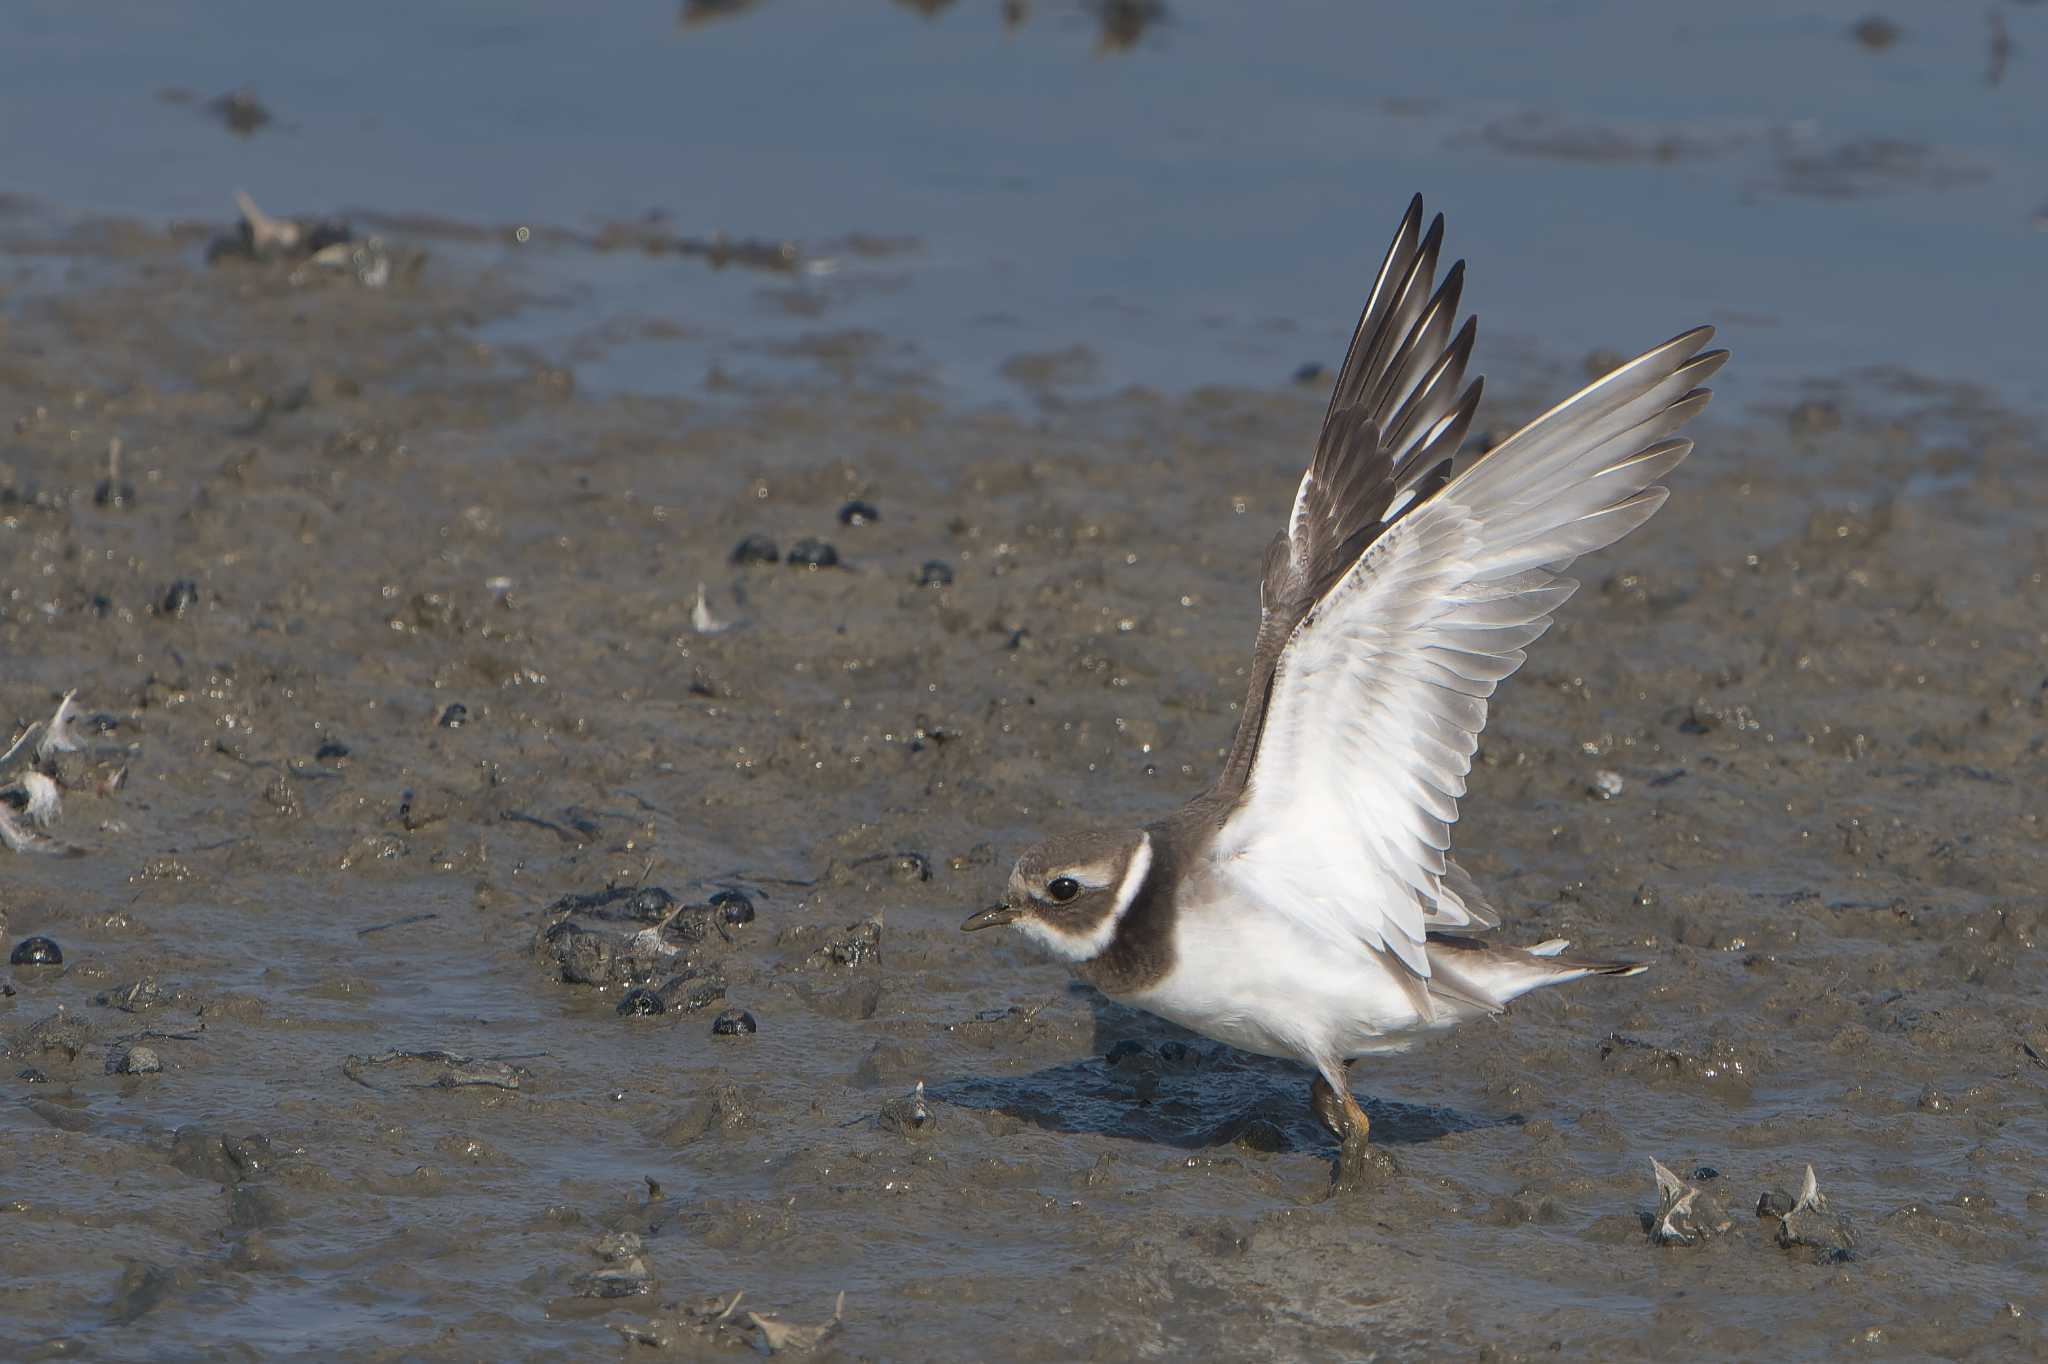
[[1818, 674], [1202, 205]]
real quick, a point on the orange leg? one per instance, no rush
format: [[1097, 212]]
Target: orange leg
[[1330, 1098]]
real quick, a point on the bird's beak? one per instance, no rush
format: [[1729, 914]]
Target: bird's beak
[[993, 917]]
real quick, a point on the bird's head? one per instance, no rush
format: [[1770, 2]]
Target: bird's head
[[1067, 894]]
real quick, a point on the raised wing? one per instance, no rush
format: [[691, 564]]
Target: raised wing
[[1376, 698], [1396, 415]]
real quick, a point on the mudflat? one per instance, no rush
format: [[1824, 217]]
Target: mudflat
[[429, 819]]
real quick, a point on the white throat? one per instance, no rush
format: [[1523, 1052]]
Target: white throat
[[1079, 947]]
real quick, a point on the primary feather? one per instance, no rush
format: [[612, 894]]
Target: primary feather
[[1408, 583]]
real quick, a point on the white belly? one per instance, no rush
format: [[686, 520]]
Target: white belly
[[1265, 985]]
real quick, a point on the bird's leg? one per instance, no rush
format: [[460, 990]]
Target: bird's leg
[[1358, 1164], [1328, 1108]]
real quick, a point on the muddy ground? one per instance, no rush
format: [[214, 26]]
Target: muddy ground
[[433, 668]]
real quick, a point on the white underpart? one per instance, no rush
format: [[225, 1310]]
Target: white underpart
[[1382, 690], [1093, 943], [1238, 978]]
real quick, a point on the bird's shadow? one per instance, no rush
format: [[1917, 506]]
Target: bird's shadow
[[1150, 1081]]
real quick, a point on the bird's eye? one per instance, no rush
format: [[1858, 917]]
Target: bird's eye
[[1063, 888]]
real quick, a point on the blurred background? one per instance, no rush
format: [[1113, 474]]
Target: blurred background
[[992, 199]]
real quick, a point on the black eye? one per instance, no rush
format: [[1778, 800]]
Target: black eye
[[1063, 888]]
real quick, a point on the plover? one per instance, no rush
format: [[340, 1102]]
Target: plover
[[1305, 905]]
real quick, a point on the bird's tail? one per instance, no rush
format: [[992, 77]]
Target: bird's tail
[[1484, 976]]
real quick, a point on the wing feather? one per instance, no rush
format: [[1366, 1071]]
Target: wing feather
[[1374, 673]]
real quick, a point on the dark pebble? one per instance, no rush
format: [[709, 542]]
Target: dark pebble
[[734, 907], [36, 952], [330, 750], [858, 514], [1774, 1203], [29, 1075], [813, 554], [136, 1060], [641, 1000], [108, 493], [241, 111], [1702, 1173], [455, 717], [651, 903], [1310, 373], [182, 597], [756, 549], [1123, 1051], [734, 1023], [935, 573]]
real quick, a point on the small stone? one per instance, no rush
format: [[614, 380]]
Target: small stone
[[36, 951], [734, 907], [455, 716], [136, 1060], [935, 573], [1606, 785], [330, 751], [640, 1001], [1703, 1173], [756, 549], [857, 513], [30, 1075], [650, 903], [809, 553], [734, 1023], [110, 493], [691, 991], [910, 1114], [1874, 33], [182, 597]]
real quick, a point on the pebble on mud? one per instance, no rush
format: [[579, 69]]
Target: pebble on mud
[[1685, 1215], [858, 513], [639, 1002], [455, 716], [136, 1060], [935, 573], [756, 549], [733, 907], [813, 554], [734, 1023], [1606, 785], [36, 951], [910, 1115], [240, 111]]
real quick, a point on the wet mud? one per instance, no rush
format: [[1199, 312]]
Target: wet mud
[[501, 947]]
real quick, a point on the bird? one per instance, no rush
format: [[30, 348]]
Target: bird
[[1306, 905]]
